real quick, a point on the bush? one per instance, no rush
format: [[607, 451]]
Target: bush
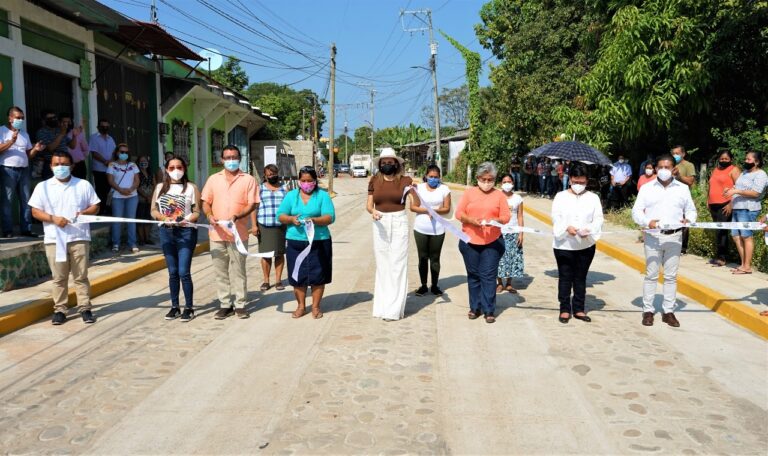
[[701, 242]]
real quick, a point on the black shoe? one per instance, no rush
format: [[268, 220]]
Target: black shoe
[[173, 313], [59, 318], [88, 317], [563, 320], [30, 234], [188, 315], [7, 235], [436, 290], [583, 318], [224, 312], [422, 290]]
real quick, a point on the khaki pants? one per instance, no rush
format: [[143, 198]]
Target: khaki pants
[[77, 264], [229, 267]]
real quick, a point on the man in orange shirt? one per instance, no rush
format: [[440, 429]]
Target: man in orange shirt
[[230, 195]]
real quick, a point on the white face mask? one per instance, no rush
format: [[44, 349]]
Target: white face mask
[[578, 188], [507, 187], [176, 174], [664, 174], [485, 186], [649, 172]]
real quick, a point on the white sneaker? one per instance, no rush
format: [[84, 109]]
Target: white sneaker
[[135, 250]]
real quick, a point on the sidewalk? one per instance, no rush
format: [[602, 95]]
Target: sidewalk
[[739, 298], [23, 306]]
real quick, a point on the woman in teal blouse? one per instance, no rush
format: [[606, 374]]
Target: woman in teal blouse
[[308, 203]]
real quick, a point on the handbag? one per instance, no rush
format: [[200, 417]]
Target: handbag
[[112, 190]]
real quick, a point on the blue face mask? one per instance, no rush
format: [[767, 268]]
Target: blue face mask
[[678, 158], [122, 157], [61, 172], [17, 123], [433, 182], [232, 165]]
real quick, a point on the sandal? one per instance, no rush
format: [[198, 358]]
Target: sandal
[[264, 286], [738, 271], [279, 286], [499, 288], [490, 319], [317, 314], [764, 313], [473, 315], [298, 313], [510, 289]]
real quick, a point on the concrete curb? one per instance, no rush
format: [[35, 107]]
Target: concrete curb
[[42, 308], [729, 308]]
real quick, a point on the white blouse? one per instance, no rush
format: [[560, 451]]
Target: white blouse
[[583, 212]]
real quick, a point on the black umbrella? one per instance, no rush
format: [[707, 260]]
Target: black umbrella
[[573, 151]]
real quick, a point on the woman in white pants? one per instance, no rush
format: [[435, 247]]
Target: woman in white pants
[[386, 204]]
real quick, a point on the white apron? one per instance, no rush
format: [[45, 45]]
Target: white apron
[[390, 247]]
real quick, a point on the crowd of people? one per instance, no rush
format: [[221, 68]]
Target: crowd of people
[[292, 226], [122, 178]]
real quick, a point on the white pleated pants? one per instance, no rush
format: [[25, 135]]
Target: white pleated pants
[[390, 248]]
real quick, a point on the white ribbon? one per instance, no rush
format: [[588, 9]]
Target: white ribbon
[[445, 223], [226, 224], [309, 228], [512, 229], [754, 226]]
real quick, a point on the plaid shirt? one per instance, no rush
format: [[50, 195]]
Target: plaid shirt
[[270, 201]]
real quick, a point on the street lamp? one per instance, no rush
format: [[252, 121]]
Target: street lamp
[[432, 69]]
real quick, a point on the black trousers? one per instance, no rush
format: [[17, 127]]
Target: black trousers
[[572, 269], [721, 236], [102, 189], [429, 248]]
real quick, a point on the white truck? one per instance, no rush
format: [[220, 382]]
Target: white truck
[[360, 165]]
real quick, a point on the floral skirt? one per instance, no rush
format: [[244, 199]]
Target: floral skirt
[[511, 263]]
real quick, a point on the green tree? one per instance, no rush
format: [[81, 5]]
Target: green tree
[[363, 139], [292, 109], [231, 74], [454, 108], [543, 47]]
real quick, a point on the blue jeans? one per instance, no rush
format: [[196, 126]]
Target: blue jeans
[[565, 182], [482, 262], [743, 215], [516, 177], [15, 180], [542, 185], [124, 207], [178, 247]]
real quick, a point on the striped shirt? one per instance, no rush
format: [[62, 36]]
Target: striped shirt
[[270, 201]]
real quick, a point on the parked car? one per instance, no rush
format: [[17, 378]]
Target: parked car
[[344, 168], [359, 171]]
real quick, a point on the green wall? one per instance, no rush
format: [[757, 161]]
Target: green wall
[[183, 111], [72, 51], [6, 78], [4, 27], [213, 168]]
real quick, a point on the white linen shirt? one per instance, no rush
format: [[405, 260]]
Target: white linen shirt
[[104, 146], [583, 212], [669, 204], [16, 155], [423, 223], [64, 199], [621, 172]]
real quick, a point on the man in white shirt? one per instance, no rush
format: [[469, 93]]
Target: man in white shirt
[[56, 202], [663, 201], [16, 150], [621, 183], [102, 147]]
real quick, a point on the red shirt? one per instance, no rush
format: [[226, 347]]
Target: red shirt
[[483, 206]]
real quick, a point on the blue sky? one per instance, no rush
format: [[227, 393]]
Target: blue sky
[[373, 50]]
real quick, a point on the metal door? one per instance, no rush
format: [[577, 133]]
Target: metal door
[[123, 99], [45, 89]]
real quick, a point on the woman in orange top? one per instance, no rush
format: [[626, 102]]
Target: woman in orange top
[[649, 175], [485, 247], [720, 207]]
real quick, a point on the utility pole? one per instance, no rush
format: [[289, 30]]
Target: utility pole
[[153, 13], [425, 17], [373, 92], [333, 117]]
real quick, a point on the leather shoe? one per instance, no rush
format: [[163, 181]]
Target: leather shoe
[[582, 318], [563, 320], [670, 319], [647, 318]]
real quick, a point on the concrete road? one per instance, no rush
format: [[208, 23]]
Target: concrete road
[[434, 382]]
